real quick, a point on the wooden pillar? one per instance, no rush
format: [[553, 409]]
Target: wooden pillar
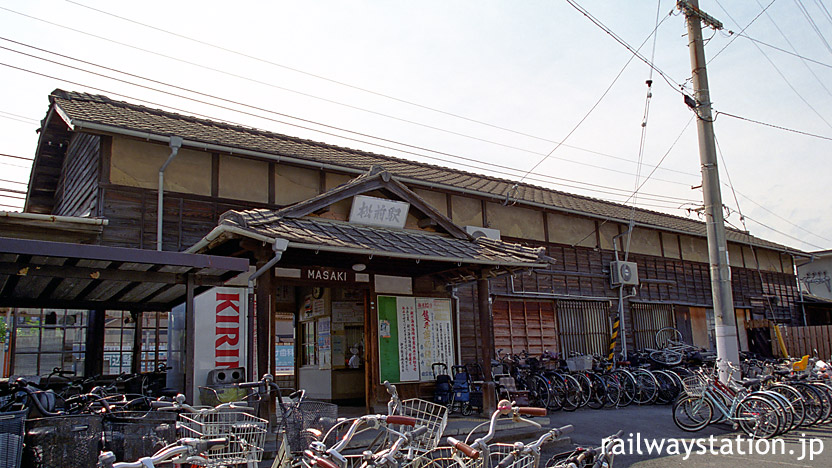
[[489, 394], [263, 319], [94, 355]]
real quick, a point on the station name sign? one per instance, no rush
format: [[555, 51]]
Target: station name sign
[[327, 275]]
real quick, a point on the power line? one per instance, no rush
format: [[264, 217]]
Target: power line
[[783, 35], [802, 57], [312, 96], [786, 129], [14, 181], [811, 22], [288, 123], [776, 68], [743, 29], [15, 157], [597, 102], [674, 84], [19, 116]]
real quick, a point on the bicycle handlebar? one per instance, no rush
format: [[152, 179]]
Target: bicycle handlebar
[[184, 446], [469, 451]]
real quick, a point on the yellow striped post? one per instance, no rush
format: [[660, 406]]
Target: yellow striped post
[[613, 342]]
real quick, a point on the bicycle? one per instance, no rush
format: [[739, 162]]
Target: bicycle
[[598, 457], [187, 450]]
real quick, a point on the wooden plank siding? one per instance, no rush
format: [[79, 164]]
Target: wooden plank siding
[[77, 190], [813, 340]]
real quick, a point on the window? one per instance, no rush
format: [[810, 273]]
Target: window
[[648, 319], [49, 338], [154, 341], [308, 344], [119, 328], [583, 327]]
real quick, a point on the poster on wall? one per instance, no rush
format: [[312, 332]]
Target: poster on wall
[[435, 337], [324, 344], [413, 334]]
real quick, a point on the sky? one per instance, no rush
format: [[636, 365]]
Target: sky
[[548, 92]]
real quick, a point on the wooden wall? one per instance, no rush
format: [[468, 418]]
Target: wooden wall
[[77, 193]]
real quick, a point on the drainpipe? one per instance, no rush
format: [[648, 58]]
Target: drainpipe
[[458, 354], [175, 144], [279, 246]]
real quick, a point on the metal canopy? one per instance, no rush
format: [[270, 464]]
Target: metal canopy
[[36, 273]]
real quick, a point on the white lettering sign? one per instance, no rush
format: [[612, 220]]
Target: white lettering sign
[[374, 211]]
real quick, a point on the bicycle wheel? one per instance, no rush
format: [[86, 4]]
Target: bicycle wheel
[[812, 403], [586, 388], [667, 389], [572, 397], [692, 413], [558, 392], [826, 390], [666, 357], [598, 396], [666, 335], [538, 391], [757, 417], [613, 388], [796, 400], [783, 408], [647, 388], [628, 387]]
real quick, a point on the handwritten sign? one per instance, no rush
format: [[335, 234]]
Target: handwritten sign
[[372, 211]]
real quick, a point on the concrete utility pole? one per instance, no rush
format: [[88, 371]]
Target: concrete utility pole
[[727, 347]]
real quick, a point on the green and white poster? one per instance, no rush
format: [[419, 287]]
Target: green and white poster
[[413, 333]]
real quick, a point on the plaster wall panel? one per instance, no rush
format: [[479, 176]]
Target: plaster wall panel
[[645, 241], [748, 255], [438, 200], [694, 249], [670, 242], [294, 184], [571, 230], [466, 211], [136, 164], [244, 179], [514, 221], [608, 230], [735, 255]]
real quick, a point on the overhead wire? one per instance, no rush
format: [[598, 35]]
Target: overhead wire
[[743, 29], [289, 116], [635, 53], [812, 23], [655, 167], [802, 57], [478, 167], [643, 140], [802, 60], [779, 72], [312, 96]]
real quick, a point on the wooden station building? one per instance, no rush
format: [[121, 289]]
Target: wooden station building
[[472, 263]]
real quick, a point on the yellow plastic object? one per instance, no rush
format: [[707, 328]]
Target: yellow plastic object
[[800, 365], [780, 340]]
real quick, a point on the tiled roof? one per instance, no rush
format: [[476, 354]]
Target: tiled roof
[[399, 243], [83, 108]]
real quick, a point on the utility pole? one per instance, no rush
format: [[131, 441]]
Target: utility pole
[[727, 347]]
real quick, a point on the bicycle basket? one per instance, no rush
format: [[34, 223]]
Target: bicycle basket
[[444, 457], [11, 438], [246, 435], [496, 453], [426, 413], [694, 385], [131, 435], [70, 440], [309, 414]]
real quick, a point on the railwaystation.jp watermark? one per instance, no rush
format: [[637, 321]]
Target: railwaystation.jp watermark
[[634, 444]]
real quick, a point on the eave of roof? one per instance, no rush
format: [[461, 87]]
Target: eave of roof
[[101, 116]]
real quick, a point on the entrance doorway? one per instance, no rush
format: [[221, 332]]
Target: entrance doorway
[[324, 329]]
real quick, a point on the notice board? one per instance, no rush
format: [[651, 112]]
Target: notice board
[[413, 333]]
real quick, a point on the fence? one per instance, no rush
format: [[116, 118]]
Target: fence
[[811, 340]]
